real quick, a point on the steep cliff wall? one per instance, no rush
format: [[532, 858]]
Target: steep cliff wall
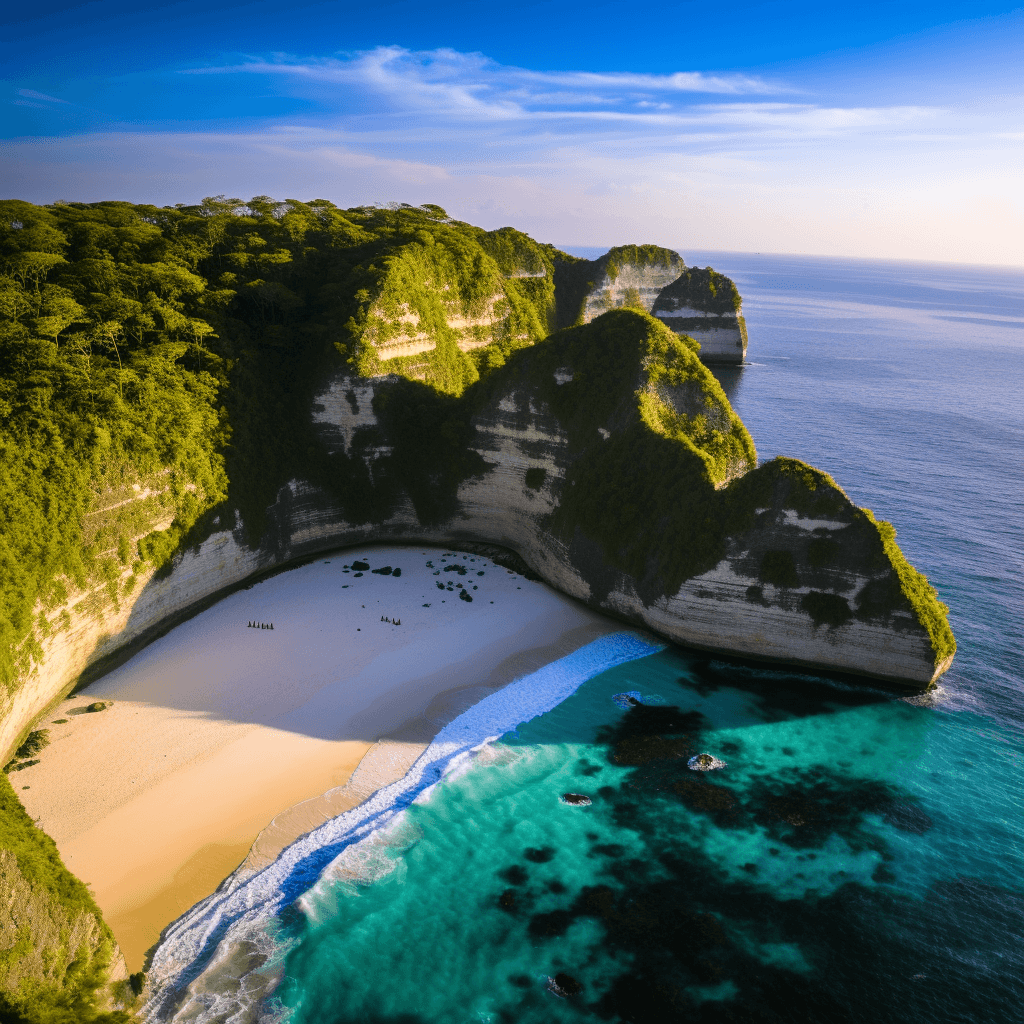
[[630, 275], [695, 302], [705, 305], [723, 339], [441, 295], [627, 276], [609, 459]]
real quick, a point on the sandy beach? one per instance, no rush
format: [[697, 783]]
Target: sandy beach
[[218, 729]]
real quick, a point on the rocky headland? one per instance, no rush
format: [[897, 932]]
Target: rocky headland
[[237, 387]]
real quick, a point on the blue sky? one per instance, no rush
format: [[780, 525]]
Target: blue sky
[[877, 129]]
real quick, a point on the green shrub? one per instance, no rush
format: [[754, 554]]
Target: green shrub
[[826, 609], [779, 569], [535, 477]]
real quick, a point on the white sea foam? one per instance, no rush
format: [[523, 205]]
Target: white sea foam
[[218, 961]]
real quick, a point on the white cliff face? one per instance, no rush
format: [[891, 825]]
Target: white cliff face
[[723, 339], [631, 286], [727, 609]]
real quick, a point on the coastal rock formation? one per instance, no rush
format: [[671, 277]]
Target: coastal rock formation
[[694, 302], [609, 460], [705, 305], [630, 275], [197, 395]]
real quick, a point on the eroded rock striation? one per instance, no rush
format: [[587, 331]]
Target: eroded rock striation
[[610, 460]]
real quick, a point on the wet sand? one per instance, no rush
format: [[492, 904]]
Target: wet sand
[[219, 733]]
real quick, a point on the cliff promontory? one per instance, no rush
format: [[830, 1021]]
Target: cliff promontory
[[694, 302], [195, 395]]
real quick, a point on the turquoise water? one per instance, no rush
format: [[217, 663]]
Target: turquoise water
[[861, 856], [850, 858]]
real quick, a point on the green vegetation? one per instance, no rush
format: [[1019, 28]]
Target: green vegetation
[[779, 569], [919, 593], [106, 384], [73, 996], [650, 493], [702, 289], [499, 286], [640, 256], [37, 856]]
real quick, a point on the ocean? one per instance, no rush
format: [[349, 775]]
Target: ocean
[[860, 857]]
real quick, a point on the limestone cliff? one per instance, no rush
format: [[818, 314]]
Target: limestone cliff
[[706, 306], [695, 302], [609, 459]]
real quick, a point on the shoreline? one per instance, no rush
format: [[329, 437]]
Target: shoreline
[[224, 954], [224, 744]]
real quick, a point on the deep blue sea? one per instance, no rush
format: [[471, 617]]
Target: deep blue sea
[[861, 856]]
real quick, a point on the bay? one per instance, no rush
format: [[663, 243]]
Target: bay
[[860, 857]]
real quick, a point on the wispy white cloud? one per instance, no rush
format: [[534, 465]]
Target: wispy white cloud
[[713, 161], [472, 84], [31, 94], [452, 92]]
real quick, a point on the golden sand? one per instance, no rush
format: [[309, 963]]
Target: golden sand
[[219, 733]]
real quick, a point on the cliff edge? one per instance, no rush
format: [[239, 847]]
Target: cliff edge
[[195, 395]]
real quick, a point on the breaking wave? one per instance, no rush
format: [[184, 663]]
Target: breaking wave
[[219, 960]]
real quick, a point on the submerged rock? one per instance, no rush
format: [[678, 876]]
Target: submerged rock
[[564, 985], [576, 799], [908, 817], [704, 763]]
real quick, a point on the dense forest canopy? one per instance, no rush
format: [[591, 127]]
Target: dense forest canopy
[[702, 289], [165, 350]]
